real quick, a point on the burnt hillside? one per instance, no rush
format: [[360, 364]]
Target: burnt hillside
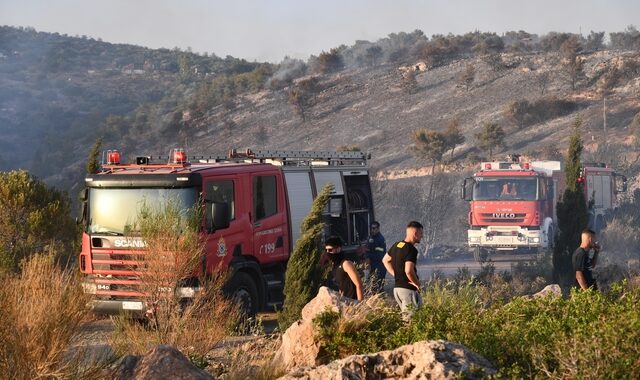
[[58, 94]]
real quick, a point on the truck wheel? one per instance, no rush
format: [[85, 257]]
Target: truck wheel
[[552, 239], [242, 290], [480, 254], [600, 224]]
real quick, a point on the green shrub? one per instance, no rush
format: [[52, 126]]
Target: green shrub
[[589, 335]]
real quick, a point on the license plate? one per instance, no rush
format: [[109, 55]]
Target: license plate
[[130, 305]]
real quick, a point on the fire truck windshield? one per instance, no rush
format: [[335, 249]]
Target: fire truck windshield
[[505, 188], [114, 211]]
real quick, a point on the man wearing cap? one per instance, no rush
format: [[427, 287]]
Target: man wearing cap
[[377, 247]]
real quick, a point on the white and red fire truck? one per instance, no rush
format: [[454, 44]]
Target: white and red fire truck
[[254, 204], [513, 203]]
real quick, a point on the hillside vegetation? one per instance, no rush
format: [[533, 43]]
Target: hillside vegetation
[[58, 94]]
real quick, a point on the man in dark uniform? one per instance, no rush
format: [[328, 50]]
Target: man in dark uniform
[[377, 247], [401, 261], [583, 263], [344, 277]]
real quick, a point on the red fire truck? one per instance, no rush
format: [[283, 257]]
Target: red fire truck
[[254, 204], [513, 204]]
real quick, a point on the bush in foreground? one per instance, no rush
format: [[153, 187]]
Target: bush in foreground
[[589, 335], [174, 249], [41, 313]]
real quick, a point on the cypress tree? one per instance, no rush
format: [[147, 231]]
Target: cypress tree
[[571, 211], [304, 274], [93, 163]]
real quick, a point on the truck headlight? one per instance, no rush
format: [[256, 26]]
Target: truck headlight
[[534, 240], [474, 239], [187, 292]]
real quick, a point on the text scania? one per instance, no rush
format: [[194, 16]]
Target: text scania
[[123, 243]]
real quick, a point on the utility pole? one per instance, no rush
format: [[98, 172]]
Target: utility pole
[[604, 118]]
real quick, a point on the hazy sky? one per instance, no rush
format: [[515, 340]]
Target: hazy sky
[[270, 30]]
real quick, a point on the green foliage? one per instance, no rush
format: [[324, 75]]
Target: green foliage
[[453, 135], [301, 95], [491, 136], [348, 148], [329, 62], [429, 145], [590, 335], [525, 113], [93, 162], [33, 218], [571, 211], [341, 337], [303, 275], [626, 40]]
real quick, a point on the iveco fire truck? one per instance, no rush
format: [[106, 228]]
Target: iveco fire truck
[[254, 203], [513, 204]]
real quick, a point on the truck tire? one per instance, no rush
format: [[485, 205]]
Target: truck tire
[[552, 240], [480, 254], [241, 289]]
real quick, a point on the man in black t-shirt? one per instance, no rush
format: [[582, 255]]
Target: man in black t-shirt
[[583, 263], [401, 261]]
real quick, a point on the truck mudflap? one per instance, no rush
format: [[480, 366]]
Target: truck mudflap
[[507, 238]]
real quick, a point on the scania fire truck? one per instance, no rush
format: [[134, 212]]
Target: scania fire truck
[[513, 204], [254, 203]]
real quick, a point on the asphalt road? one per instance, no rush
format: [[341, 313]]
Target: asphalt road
[[501, 262]]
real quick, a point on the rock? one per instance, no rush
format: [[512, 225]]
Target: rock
[[299, 347], [162, 362], [436, 359], [553, 289]]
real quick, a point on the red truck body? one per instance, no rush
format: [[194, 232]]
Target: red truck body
[[512, 204], [265, 196]]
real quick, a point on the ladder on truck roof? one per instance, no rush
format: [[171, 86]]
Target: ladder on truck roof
[[295, 157]]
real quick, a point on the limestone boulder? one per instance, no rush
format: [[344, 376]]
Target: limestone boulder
[[553, 290], [435, 359], [162, 362], [299, 347]]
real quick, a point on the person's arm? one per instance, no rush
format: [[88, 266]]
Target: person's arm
[[350, 269], [386, 260], [581, 280], [410, 271]]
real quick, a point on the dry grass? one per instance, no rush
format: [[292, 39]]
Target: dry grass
[[192, 325], [253, 360], [42, 310]]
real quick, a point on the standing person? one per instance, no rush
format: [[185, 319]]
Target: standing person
[[377, 247], [401, 261], [344, 276], [583, 263]]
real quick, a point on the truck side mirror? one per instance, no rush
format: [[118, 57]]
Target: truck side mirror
[[217, 216], [466, 191], [83, 196]]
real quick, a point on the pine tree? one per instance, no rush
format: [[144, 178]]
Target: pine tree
[[491, 136], [571, 211], [304, 274]]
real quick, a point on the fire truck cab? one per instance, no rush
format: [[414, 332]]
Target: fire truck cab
[[254, 203]]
